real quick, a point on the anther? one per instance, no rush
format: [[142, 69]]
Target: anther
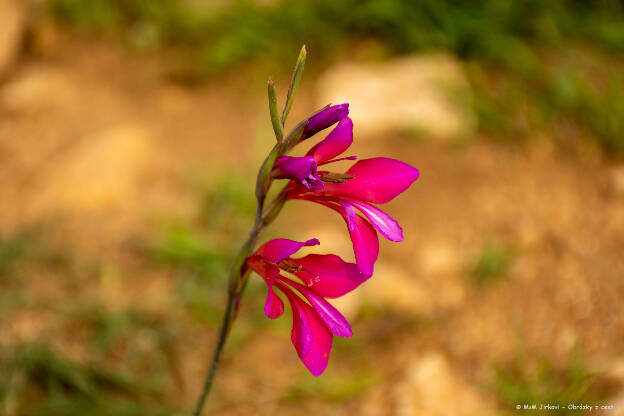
[[335, 177], [289, 266]]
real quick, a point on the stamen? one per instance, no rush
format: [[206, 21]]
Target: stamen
[[335, 177], [338, 160], [289, 266]]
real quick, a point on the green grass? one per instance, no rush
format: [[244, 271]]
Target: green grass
[[546, 383], [331, 387], [39, 380], [201, 249], [14, 248], [491, 263], [520, 55]]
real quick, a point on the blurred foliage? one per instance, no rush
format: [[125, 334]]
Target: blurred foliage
[[202, 249], [82, 356], [525, 58], [12, 248], [38, 380], [333, 387], [547, 383], [492, 263], [499, 31]]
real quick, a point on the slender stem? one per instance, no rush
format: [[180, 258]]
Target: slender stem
[[237, 283], [216, 355], [235, 290], [239, 273]]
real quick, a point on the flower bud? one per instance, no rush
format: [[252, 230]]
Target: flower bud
[[325, 118], [298, 169]]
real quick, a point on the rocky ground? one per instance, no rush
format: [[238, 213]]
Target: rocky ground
[[512, 264]]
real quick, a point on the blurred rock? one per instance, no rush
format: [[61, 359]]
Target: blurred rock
[[429, 386], [12, 25], [420, 94], [432, 387], [438, 258], [391, 288], [615, 375], [45, 38], [616, 182], [104, 172], [34, 89], [404, 291]]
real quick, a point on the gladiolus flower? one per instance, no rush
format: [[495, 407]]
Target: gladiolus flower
[[315, 320], [299, 169], [369, 181]]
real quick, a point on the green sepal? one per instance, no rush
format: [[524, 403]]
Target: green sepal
[[264, 175], [275, 117], [294, 83]]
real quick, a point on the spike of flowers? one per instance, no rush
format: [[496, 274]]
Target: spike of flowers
[[314, 278]]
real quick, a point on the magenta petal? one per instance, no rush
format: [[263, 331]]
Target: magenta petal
[[382, 221], [265, 269], [278, 249], [348, 214], [365, 245], [302, 170], [273, 306], [310, 336], [325, 118], [329, 275], [301, 335], [333, 319], [377, 180], [336, 142], [363, 235]]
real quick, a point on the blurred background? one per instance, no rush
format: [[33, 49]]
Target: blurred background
[[130, 134]]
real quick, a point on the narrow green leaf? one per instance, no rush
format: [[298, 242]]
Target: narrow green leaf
[[275, 117], [294, 83]]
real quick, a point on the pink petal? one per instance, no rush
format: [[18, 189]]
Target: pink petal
[[273, 306], [265, 269], [278, 249], [329, 275], [333, 319], [310, 336], [363, 235], [383, 222], [336, 142], [377, 180], [365, 245], [348, 214]]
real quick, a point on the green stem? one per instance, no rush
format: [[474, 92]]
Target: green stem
[[237, 283], [226, 324], [239, 273], [236, 286]]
